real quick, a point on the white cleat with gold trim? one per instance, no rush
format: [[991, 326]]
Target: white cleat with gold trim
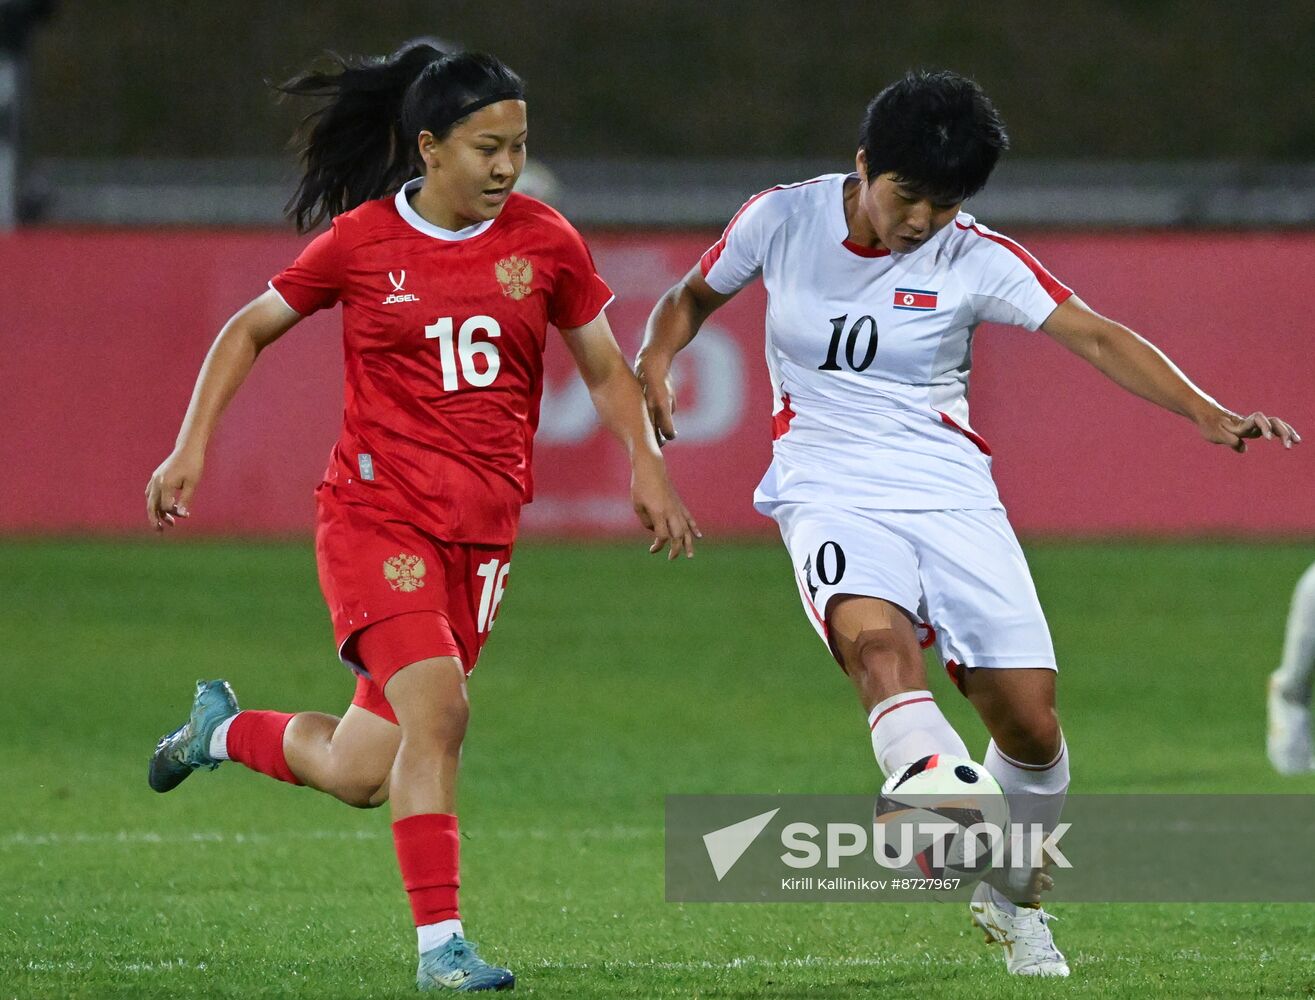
[[1022, 931]]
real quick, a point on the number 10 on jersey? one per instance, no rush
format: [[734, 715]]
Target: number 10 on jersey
[[864, 330], [465, 350]]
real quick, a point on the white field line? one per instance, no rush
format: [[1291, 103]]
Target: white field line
[[750, 962], [137, 837], [167, 965], [747, 963], [923, 960], [808, 961]]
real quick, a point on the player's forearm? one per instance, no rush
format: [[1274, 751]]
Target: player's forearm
[[674, 322], [226, 367], [1142, 368], [619, 402]]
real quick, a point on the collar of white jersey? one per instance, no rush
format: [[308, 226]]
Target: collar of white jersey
[[416, 221], [841, 225]]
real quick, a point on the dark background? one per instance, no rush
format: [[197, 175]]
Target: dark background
[[1173, 80]]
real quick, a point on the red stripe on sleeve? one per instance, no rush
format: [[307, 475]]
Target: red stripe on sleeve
[[713, 252], [1055, 288]]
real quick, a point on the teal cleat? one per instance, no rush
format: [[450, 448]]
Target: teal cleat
[[188, 747], [455, 965]]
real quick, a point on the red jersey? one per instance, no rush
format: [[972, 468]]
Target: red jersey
[[443, 338]]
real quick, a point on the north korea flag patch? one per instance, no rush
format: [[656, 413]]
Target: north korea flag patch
[[915, 299]]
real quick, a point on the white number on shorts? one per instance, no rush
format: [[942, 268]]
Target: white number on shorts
[[466, 350], [495, 583]]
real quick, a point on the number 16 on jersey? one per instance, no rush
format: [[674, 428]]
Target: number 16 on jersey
[[465, 350]]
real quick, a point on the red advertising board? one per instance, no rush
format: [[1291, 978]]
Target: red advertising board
[[104, 332]]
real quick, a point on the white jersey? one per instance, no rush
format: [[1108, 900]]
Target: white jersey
[[869, 351]]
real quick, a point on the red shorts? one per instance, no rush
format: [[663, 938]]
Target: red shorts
[[426, 597]]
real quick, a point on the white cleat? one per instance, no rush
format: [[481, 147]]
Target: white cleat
[[1288, 740], [1023, 931]]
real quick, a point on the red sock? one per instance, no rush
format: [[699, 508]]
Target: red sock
[[427, 848], [256, 740]]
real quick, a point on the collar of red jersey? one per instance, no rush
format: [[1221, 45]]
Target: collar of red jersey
[[416, 221]]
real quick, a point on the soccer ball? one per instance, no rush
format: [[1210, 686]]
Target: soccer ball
[[941, 817]]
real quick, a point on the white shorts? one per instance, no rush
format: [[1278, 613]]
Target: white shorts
[[960, 572]]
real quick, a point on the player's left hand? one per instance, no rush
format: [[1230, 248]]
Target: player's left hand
[[659, 395], [660, 509], [1225, 427]]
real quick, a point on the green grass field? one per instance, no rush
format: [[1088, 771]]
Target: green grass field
[[611, 681]]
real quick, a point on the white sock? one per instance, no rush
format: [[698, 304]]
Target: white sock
[[219, 739], [907, 727], [431, 936], [1293, 676], [1036, 794]]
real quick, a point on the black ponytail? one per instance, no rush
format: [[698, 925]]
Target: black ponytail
[[361, 144]]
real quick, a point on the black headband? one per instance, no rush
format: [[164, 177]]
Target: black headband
[[473, 106]]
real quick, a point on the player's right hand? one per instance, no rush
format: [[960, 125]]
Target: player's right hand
[[169, 491], [1221, 426], [659, 396]]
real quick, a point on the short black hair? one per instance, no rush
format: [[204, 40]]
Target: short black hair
[[936, 131]]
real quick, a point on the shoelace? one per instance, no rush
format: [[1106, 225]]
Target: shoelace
[[1030, 928], [467, 947]]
